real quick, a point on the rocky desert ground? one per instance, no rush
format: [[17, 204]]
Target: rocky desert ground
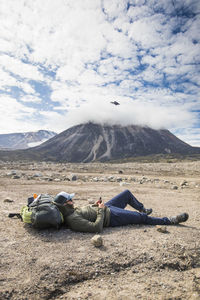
[[135, 262]]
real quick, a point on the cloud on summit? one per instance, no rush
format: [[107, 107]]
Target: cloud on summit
[[128, 113], [62, 62]]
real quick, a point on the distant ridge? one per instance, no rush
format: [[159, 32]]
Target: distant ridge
[[94, 142], [25, 139]]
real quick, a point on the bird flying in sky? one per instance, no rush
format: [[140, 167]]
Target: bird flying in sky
[[115, 102]]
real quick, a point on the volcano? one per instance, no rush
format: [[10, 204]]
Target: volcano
[[94, 142]]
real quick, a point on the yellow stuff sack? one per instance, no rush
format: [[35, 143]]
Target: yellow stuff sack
[[26, 214]]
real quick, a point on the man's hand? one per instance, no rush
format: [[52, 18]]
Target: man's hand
[[98, 202], [101, 205]]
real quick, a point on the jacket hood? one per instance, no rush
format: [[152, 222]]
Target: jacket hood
[[66, 209]]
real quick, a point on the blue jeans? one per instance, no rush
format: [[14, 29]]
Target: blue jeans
[[120, 216]]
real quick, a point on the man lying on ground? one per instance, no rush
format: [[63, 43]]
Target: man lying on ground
[[92, 218]]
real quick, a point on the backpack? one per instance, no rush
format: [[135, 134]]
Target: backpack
[[42, 212]]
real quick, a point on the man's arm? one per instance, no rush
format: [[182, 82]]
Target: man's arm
[[78, 223]]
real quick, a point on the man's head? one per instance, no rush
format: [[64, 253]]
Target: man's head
[[64, 198]]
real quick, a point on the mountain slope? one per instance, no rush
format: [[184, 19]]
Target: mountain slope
[[90, 142], [93, 142], [24, 140]]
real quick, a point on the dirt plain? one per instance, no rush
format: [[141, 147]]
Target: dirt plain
[[135, 262]]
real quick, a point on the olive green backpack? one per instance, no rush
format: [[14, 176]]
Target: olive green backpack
[[42, 212]]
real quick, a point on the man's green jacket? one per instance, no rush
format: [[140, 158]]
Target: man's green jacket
[[88, 218]]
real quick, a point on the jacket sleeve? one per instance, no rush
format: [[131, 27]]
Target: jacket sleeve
[[77, 223]]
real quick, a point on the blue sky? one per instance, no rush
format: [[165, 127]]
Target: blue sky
[[63, 61]]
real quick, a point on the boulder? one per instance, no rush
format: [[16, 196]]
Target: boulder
[[97, 240]]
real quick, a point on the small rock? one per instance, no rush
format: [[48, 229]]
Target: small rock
[[66, 179], [162, 229], [184, 183], [97, 240], [120, 172], [16, 177], [174, 187], [73, 177], [119, 179], [95, 179], [133, 179], [124, 183], [37, 175], [57, 179], [13, 172], [8, 200], [156, 180], [46, 178], [91, 201]]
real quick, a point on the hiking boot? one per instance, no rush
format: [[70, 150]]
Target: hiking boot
[[147, 211], [179, 218]]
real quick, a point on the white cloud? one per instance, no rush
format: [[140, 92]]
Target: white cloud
[[129, 112], [90, 77], [17, 67], [151, 60], [6, 80], [193, 29], [65, 94], [129, 85], [114, 8], [119, 44], [69, 72], [152, 74], [138, 12], [15, 117], [26, 87], [30, 98], [149, 32]]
